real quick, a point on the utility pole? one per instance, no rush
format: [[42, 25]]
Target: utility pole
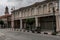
[[54, 23]]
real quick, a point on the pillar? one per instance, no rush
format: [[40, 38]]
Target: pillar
[[12, 25], [48, 8], [24, 27], [36, 21], [58, 23], [12, 22], [20, 24]]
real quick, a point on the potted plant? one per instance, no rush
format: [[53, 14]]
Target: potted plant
[[38, 30]]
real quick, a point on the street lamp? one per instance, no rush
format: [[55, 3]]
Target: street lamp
[[54, 23]]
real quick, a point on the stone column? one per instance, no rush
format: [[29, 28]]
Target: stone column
[[48, 8], [58, 23], [36, 21], [35, 11], [20, 24], [12, 22], [38, 29], [12, 25], [24, 27]]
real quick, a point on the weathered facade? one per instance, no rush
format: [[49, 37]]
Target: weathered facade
[[45, 14]]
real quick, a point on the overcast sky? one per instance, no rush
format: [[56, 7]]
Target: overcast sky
[[15, 3]]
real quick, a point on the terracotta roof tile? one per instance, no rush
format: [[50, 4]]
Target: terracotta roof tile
[[5, 16]]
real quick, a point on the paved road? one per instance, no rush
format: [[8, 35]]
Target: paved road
[[14, 35]]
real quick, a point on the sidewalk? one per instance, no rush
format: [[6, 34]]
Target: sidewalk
[[1, 34], [28, 35], [18, 30]]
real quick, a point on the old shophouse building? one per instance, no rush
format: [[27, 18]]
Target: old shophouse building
[[45, 14], [6, 18]]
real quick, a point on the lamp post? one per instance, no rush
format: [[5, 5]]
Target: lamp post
[[54, 23]]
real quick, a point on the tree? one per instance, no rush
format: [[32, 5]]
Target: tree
[[1, 23], [29, 22]]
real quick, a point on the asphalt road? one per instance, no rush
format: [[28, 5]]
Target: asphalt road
[[17, 35]]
